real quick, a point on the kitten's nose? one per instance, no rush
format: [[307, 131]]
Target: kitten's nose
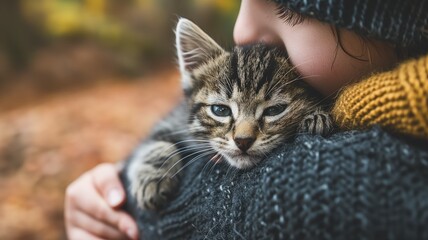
[[244, 143]]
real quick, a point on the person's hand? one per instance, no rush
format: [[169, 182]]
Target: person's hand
[[91, 206]]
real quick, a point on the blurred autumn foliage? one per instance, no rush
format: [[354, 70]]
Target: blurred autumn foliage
[[81, 82]]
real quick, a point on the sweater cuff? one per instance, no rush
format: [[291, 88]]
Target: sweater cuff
[[397, 100]]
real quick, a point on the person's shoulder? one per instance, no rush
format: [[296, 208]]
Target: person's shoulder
[[371, 144]]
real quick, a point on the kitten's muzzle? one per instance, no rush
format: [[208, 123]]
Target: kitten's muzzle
[[244, 143]]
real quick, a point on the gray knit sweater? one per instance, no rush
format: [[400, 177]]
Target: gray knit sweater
[[352, 185]]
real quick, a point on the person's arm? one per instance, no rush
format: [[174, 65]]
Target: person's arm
[[92, 206]]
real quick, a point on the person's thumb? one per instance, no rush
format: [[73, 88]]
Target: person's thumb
[[106, 180]]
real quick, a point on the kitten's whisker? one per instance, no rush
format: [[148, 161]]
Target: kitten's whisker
[[214, 163], [182, 131], [192, 161], [308, 76], [187, 141], [215, 156], [228, 169], [185, 149], [264, 153], [182, 159], [298, 65], [198, 143], [270, 139], [290, 70], [285, 83], [218, 155]]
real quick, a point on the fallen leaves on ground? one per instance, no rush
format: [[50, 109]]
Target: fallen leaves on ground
[[47, 144]]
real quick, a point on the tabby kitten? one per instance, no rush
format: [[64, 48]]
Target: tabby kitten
[[238, 107]]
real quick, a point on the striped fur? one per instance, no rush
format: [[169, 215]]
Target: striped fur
[[239, 106]]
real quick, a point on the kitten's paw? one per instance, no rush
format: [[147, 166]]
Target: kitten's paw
[[156, 191], [319, 123], [154, 179]]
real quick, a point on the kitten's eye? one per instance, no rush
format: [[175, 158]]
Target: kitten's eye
[[221, 110], [274, 110]]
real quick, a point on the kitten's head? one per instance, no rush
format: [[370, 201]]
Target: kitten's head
[[244, 102]]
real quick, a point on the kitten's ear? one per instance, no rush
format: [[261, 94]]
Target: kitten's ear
[[194, 46]]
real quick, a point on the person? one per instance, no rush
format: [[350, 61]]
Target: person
[[372, 56]]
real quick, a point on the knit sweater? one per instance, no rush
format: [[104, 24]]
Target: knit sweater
[[397, 100], [353, 185], [365, 184]]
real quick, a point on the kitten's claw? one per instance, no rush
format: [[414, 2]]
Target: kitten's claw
[[319, 123]]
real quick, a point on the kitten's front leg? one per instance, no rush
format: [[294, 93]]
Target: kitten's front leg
[[153, 174], [319, 122]]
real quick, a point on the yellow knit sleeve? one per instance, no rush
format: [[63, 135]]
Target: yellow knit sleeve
[[397, 100]]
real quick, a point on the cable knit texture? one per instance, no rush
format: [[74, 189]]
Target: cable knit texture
[[353, 185], [396, 100], [404, 23]]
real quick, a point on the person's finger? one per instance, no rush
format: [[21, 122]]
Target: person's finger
[[89, 202], [97, 228], [79, 234], [82, 196], [128, 225], [106, 180]]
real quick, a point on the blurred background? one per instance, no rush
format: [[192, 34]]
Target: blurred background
[[81, 82]]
